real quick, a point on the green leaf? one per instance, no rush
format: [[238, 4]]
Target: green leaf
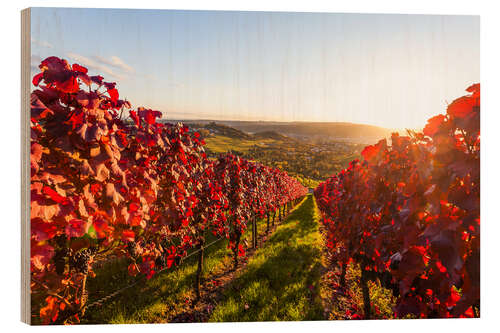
[[92, 233]]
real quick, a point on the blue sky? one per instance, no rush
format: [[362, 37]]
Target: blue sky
[[394, 71]]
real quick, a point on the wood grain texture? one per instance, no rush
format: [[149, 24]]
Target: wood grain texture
[[25, 169]]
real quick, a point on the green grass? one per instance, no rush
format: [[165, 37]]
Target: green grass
[[149, 301], [281, 280], [307, 182], [154, 300], [222, 144]]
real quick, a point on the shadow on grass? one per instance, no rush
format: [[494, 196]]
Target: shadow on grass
[[281, 281], [149, 301]]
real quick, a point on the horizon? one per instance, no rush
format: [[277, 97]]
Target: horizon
[[393, 71], [167, 119]]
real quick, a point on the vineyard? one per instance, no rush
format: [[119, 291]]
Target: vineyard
[[102, 187], [408, 216], [110, 184]]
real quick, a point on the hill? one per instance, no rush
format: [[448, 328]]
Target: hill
[[227, 131], [323, 131], [270, 135], [311, 131]]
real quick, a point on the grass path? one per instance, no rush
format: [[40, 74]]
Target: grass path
[[165, 297], [282, 279]]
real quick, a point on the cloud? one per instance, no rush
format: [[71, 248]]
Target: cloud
[[116, 62], [113, 67], [41, 43], [96, 66]]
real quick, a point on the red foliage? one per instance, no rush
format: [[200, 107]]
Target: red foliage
[[411, 210], [139, 189]]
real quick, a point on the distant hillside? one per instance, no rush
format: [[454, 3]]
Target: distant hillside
[[270, 135], [317, 131], [228, 131]]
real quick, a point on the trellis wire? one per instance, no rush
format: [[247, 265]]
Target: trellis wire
[[119, 291]]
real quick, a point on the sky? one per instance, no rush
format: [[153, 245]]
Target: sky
[[394, 71]]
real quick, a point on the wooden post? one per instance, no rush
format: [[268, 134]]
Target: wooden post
[[199, 272], [267, 230], [254, 232], [235, 250], [366, 293], [342, 275]]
